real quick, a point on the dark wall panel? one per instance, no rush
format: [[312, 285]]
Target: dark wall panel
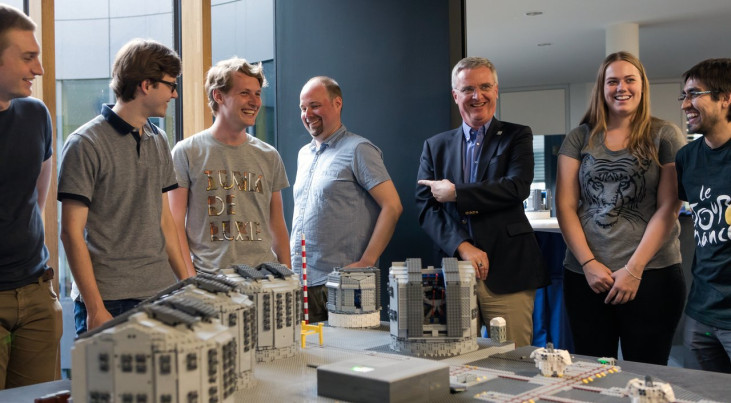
[[391, 58]]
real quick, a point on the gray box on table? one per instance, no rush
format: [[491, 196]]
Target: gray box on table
[[384, 379]]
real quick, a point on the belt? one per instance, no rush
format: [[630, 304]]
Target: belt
[[46, 276]]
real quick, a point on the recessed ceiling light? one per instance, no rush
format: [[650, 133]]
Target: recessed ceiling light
[[533, 13], [545, 44]]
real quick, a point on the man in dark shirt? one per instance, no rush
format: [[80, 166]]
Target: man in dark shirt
[[703, 181], [30, 314]]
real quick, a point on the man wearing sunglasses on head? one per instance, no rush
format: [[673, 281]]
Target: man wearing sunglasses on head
[[116, 170], [703, 181]]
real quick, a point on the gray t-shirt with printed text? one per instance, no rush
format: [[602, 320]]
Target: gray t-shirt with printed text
[[229, 195]]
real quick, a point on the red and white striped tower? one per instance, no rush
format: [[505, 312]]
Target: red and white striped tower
[[304, 279]]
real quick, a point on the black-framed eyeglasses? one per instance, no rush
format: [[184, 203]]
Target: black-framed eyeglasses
[[172, 84], [693, 94]]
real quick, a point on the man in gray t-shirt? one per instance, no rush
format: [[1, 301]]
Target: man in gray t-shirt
[[344, 200], [228, 208]]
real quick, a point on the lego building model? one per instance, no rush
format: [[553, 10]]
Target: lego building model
[[193, 342], [277, 294], [433, 311], [648, 391], [551, 362], [354, 297], [498, 332]]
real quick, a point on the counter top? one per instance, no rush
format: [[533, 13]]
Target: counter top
[[545, 224]]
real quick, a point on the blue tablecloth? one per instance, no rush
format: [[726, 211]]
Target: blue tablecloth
[[550, 323]]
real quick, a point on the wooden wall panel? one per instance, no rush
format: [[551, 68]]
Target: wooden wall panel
[[42, 12], [196, 55]]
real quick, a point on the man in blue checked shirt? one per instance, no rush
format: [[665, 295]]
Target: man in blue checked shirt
[[344, 200]]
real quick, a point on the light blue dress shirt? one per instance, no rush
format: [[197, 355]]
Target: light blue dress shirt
[[332, 205]]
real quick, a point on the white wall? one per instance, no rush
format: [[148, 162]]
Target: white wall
[[543, 110], [546, 110], [664, 102]]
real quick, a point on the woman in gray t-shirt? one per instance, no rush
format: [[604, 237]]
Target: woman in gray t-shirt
[[618, 212]]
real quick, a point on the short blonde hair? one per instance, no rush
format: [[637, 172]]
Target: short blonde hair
[[220, 77]]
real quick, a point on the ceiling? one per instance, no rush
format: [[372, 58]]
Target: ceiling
[[674, 35]]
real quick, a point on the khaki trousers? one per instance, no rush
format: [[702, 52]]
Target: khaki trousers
[[515, 308], [30, 330]]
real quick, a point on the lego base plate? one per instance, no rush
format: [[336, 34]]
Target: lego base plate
[[294, 378]]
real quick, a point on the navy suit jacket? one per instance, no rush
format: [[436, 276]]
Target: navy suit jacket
[[494, 204]]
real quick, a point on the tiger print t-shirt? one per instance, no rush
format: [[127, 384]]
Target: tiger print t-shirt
[[618, 196]]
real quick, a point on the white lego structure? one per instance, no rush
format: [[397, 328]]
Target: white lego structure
[[498, 330], [192, 342], [648, 391], [277, 293], [552, 362], [354, 297], [433, 311]]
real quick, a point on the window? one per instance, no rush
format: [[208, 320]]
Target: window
[[15, 3], [88, 35], [245, 28]]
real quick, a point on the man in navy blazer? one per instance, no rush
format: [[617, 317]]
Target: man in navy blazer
[[472, 183]]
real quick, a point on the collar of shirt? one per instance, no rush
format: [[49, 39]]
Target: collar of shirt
[[482, 130], [118, 123], [331, 141]]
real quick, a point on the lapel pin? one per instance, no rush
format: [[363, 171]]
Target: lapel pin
[[499, 132]]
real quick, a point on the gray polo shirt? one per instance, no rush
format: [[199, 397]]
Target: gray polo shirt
[[332, 205], [121, 176]]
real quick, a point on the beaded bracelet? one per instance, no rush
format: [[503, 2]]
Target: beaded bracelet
[[632, 274], [584, 264]]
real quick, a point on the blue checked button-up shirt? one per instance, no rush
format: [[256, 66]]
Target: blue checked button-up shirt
[[332, 205]]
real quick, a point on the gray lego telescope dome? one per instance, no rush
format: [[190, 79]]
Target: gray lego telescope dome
[[354, 297], [433, 312]]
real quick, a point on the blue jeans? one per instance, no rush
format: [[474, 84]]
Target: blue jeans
[[710, 345], [115, 308]]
